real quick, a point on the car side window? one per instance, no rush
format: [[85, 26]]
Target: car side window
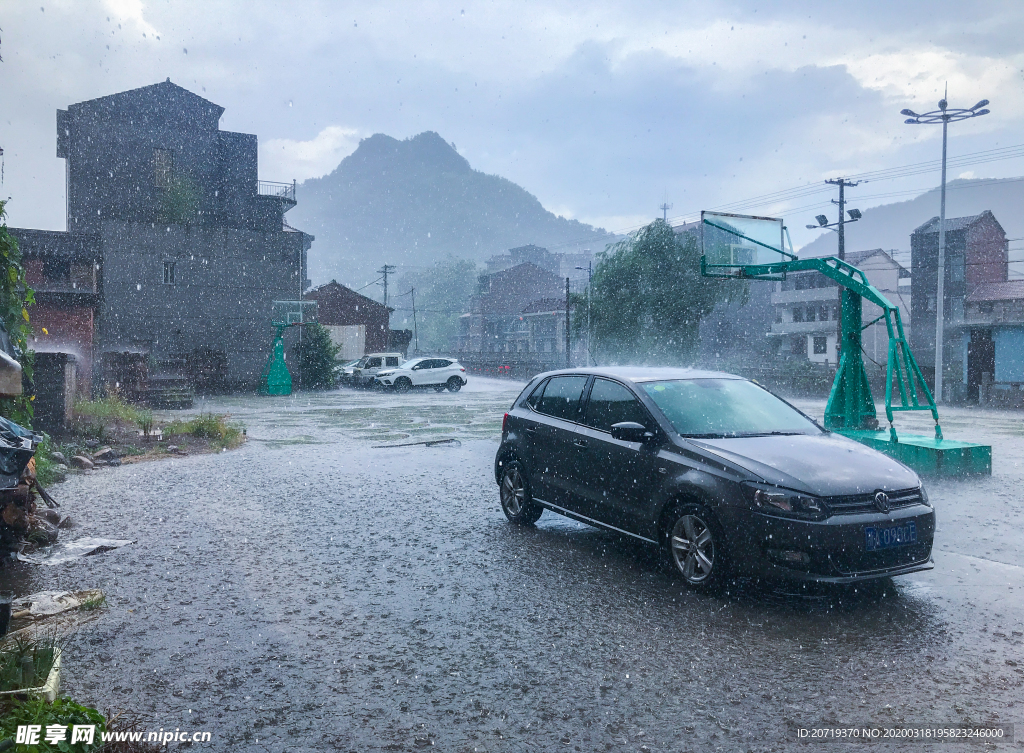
[[611, 403], [391, 361], [373, 363], [442, 363], [561, 397], [534, 399]]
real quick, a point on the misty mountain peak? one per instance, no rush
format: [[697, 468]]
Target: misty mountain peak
[[426, 152]]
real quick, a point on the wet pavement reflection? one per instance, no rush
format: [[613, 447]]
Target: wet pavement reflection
[[308, 592]]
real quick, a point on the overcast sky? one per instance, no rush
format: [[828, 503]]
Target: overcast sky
[[603, 110]]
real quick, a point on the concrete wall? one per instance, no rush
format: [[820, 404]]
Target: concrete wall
[[225, 281]]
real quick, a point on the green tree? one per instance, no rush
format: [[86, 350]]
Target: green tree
[[648, 298], [15, 298], [316, 358], [443, 291]]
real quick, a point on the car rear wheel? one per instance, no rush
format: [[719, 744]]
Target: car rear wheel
[[516, 502], [403, 384], [454, 384], [694, 543]]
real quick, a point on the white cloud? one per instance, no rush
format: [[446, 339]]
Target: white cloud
[[299, 160]]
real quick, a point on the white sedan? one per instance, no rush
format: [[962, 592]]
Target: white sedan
[[439, 373]]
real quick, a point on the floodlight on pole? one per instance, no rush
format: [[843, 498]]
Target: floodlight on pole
[[944, 115], [855, 214], [822, 220]]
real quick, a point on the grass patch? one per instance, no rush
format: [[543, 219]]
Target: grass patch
[[113, 408], [63, 711], [90, 605], [213, 427], [27, 664]]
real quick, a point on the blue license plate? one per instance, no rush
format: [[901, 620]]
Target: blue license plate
[[890, 536]]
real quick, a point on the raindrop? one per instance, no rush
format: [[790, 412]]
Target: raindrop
[[138, 286], [185, 49]]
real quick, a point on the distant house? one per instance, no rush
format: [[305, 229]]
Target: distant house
[[571, 264], [806, 309], [66, 272], [976, 255], [189, 248], [357, 324], [496, 323]]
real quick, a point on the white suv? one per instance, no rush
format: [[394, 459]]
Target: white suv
[[439, 373], [370, 365]]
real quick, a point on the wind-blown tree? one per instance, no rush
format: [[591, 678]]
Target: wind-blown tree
[[648, 298]]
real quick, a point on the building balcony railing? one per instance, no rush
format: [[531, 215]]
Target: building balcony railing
[[803, 328], [284, 191]]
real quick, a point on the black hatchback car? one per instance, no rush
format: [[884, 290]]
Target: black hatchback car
[[726, 477]]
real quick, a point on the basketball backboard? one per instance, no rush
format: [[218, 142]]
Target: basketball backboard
[[294, 312], [730, 242]]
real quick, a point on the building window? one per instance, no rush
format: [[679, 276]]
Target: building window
[[168, 273], [823, 314], [810, 313], [820, 346], [163, 167], [798, 315], [956, 268]]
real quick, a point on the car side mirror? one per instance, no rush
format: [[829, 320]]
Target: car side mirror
[[631, 431]]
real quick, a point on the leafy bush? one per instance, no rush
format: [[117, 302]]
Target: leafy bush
[[15, 298], [316, 356], [62, 711]]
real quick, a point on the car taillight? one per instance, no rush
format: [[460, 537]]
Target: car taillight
[[504, 424], [461, 369]]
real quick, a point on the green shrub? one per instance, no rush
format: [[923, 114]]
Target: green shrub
[[316, 358], [62, 711]]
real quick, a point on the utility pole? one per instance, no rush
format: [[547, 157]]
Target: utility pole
[[415, 330], [386, 270], [568, 361], [664, 211], [841, 225]]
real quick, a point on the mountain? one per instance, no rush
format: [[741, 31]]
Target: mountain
[[412, 202], [889, 226]]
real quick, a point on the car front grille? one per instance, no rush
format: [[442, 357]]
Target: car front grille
[[858, 503]]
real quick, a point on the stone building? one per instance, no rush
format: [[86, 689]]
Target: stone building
[[191, 248]]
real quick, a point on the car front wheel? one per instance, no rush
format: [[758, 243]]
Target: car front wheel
[[694, 544], [516, 501], [454, 384]]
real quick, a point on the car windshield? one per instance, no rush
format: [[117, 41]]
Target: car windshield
[[411, 362], [726, 408]]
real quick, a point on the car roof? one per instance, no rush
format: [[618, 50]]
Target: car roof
[[646, 373]]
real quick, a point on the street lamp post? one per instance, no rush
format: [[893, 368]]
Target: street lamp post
[[590, 275], [944, 115]]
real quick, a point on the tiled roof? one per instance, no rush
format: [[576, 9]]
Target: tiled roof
[[952, 223], [1011, 290]]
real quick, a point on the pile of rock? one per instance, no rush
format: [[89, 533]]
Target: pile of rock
[[88, 461]]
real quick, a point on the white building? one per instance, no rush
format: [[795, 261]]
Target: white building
[[806, 307]]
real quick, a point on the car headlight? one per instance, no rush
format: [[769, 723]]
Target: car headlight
[[775, 500], [924, 497]]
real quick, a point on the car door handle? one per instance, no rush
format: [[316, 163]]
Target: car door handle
[[531, 429], [581, 443]]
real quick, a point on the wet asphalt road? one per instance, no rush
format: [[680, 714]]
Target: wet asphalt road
[[309, 593]]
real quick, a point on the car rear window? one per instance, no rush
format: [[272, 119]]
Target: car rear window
[[561, 397], [392, 360], [726, 408], [611, 403]]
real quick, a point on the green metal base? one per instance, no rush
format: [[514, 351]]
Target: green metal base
[[927, 455]]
